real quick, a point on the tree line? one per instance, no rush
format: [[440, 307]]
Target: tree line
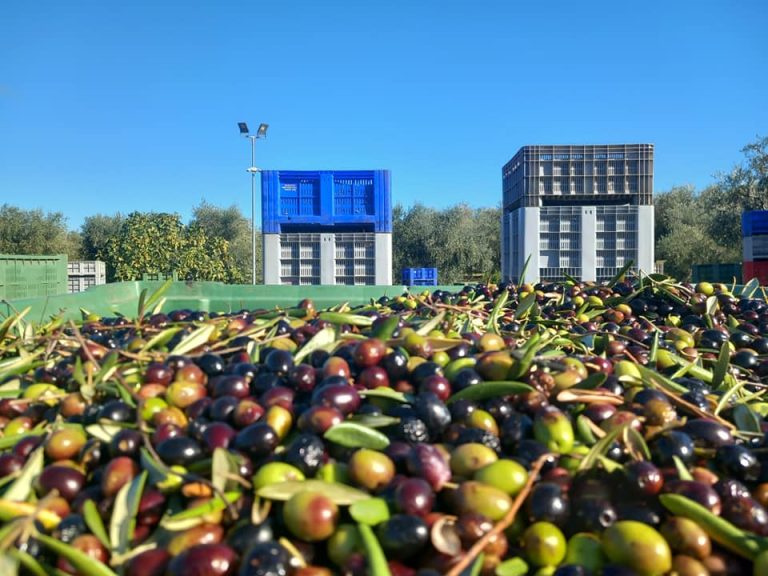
[[462, 242]]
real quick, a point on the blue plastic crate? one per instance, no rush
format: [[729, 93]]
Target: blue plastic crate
[[754, 223], [294, 200], [420, 276]]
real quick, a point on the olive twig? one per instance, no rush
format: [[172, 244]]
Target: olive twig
[[502, 524]]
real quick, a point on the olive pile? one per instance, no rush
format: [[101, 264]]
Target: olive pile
[[557, 429]]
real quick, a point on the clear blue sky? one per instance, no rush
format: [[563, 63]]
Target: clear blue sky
[[110, 106]]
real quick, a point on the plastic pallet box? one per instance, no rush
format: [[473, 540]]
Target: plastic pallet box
[[294, 201], [24, 276], [420, 276], [720, 272], [82, 274], [757, 269], [754, 223], [755, 247]]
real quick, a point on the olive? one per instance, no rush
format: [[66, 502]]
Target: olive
[[180, 451], [70, 527], [737, 462], [148, 563], [204, 560], [747, 513], [544, 544], [431, 410], [469, 458], [370, 469], [506, 475], [257, 440], [548, 502], [428, 462], [593, 514], [685, 536], [670, 444], [68, 482], [553, 429], [696, 491], [637, 546], [414, 496], [484, 499], [344, 543], [65, 443], [403, 536], [311, 516], [586, 550], [707, 433], [336, 394], [117, 474], [274, 473], [306, 452], [205, 533]]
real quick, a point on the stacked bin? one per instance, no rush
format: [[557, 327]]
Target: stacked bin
[[82, 274], [754, 228], [327, 227], [584, 211], [420, 276], [26, 276]]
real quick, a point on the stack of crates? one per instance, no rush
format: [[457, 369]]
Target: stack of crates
[[724, 273], [327, 227], [420, 276], [754, 228], [82, 274], [26, 276]]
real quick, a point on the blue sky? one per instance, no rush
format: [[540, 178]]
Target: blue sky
[[110, 106]]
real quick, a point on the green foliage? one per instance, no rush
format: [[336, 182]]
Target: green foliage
[[231, 225], [159, 243], [463, 243], [96, 232], [705, 228], [36, 232]]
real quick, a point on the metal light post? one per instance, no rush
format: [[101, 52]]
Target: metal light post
[[260, 133]]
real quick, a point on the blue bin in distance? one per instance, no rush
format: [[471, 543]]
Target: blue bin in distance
[[754, 223], [420, 276], [358, 200]]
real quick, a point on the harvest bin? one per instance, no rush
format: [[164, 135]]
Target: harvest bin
[[123, 298], [25, 276]]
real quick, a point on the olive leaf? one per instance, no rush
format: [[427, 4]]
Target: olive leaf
[[190, 517], [525, 305], [346, 318], [103, 432], [373, 420], [161, 338], [746, 419], [341, 494], [372, 511], [321, 339], [95, 523], [20, 490], [223, 466], [485, 390], [385, 392], [427, 327], [124, 511], [353, 435], [377, 561], [512, 567], [194, 340], [721, 367], [84, 564]]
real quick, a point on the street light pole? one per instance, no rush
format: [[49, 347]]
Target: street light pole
[[260, 133]]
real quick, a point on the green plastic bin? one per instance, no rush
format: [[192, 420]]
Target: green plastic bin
[[23, 276], [123, 298], [724, 273]]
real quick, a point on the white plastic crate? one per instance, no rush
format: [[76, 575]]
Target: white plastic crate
[[348, 258], [82, 274], [755, 248]]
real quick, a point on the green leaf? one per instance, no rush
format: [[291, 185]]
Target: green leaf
[[372, 511], [635, 440], [615, 280], [161, 338], [750, 288], [584, 430], [600, 448], [341, 494], [721, 367], [29, 563], [485, 390], [194, 340], [592, 381], [354, 435], [224, 465], [86, 565], [385, 392], [10, 441], [20, 490], [512, 567], [373, 420], [386, 328], [124, 510], [654, 348], [147, 303], [521, 280], [103, 432], [682, 470], [746, 419], [320, 340], [9, 564], [95, 523], [427, 327], [377, 561], [193, 516], [345, 318], [525, 305]]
